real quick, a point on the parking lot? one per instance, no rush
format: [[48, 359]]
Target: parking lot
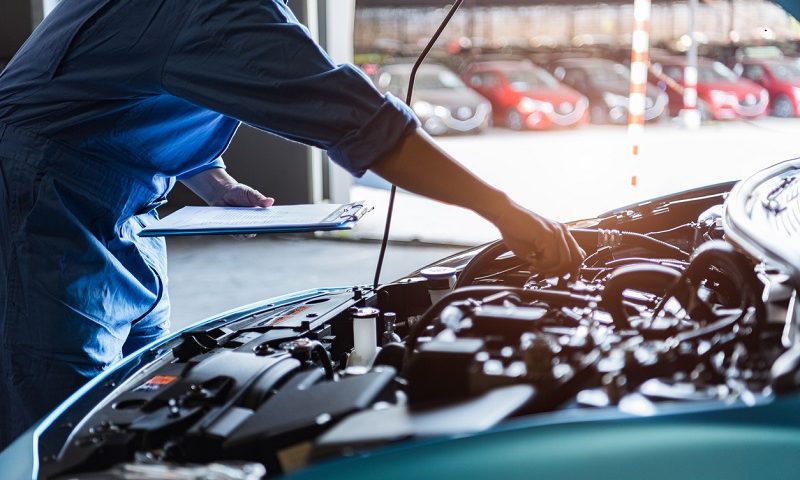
[[573, 174]]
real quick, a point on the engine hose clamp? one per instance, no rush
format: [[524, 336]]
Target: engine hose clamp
[[609, 238]]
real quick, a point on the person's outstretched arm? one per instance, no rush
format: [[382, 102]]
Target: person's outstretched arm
[[255, 62], [418, 165]]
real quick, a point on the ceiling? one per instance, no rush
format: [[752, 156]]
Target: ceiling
[[489, 3]]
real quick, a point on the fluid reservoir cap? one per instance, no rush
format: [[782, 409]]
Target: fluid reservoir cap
[[366, 312], [438, 273]]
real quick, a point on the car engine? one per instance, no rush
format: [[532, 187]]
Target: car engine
[[664, 310]]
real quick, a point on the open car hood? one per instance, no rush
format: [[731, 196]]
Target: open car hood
[[676, 341]]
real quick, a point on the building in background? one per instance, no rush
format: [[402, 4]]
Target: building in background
[[553, 25]]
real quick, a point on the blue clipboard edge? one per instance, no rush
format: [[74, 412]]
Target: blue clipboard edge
[[350, 214], [245, 231]]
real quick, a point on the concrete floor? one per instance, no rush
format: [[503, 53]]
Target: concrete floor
[[208, 275]]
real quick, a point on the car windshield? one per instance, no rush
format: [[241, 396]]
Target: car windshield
[[438, 79], [522, 80], [612, 74], [716, 72], [786, 71]]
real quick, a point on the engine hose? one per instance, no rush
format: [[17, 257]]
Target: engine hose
[[643, 277], [689, 227], [325, 359], [602, 255], [720, 255], [559, 298], [678, 264], [585, 237], [708, 331], [616, 238], [479, 262]]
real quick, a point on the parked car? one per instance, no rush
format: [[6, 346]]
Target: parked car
[[525, 96], [607, 85], [443, 103], [781, 78], [721, 94], [672, 351]]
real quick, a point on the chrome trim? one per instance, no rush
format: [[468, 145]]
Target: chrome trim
[[570, 118], [759, 108], [478, 117], [658, 107]]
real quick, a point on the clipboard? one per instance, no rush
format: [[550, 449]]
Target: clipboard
[[252, 220]]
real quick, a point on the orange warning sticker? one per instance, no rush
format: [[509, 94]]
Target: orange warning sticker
[[162, 380], [156, 382], [288, 315]]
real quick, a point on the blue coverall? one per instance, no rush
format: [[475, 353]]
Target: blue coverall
[[101, 110]]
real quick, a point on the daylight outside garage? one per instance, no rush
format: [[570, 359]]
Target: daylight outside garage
[[576, 171]]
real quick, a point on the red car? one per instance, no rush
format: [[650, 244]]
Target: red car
[[721, 94], [525, 96], [781, 78]]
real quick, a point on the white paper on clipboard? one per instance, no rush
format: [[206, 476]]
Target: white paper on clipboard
[[233, 220]]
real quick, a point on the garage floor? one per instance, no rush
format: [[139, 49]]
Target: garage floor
[[208, 275]]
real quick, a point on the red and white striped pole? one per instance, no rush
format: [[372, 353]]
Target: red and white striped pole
[[640, 47], [690, 114]]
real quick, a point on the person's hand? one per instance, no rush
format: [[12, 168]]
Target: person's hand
[[219, 189], [241, 195], [546, 245]]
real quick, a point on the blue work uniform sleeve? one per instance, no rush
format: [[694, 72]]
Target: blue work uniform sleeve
[[216, 163], [253, 61]]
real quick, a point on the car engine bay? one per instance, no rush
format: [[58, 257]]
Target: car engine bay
[[675, 303]]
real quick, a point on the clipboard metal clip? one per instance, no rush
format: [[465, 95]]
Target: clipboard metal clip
[[354, 211]]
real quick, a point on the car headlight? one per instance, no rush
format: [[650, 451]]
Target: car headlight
[[422, 109], [441, 111], [796, 92], [527, 104], [614, 100], [719, 97]]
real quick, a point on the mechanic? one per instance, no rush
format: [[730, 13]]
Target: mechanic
[[107, 104]]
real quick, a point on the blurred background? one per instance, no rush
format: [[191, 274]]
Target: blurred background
[[571, 107], [535, 96]]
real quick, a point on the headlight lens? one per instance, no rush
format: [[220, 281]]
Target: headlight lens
[[441, 111], [422, 109], [796, 91], [527, 104], [614, 100], [722, 98]]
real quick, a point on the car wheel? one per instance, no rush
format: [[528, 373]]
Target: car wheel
[[598, 115], [665, 117], [514, 120], [782, 107]]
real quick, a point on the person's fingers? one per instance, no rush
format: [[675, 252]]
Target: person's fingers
[[257, 199], [576, 251], [564, 254], [244, 196], [550, 253]]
